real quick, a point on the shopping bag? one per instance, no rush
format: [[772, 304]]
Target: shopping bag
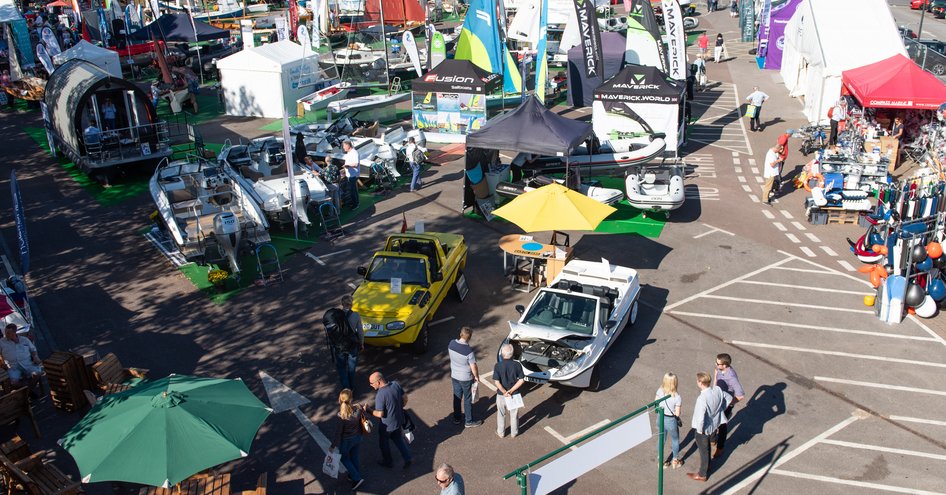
[[474, 391], [330, 466], [751, 111]]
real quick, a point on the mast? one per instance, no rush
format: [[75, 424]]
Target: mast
[[384, 43]]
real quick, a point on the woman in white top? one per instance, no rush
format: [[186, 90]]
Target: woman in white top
[[670, 411]]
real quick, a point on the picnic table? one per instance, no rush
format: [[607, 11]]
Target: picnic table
[[201, 484]]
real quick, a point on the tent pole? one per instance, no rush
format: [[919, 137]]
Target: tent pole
[[384, 43]]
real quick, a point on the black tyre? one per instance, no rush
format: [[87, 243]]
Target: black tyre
[[423, 341], [632, 318], [594, 384]]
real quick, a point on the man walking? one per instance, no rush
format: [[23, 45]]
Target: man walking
[[728, 381], [756, 98], [771, 171], [703, 43], [508, 377], [389, 403], [348, 343], [415, 157], [352, 171], [449, 481], [707, 416], [463, 374]]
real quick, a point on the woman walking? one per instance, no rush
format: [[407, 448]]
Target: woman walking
[[670, 417], [718, 50], [348, 437], [734, 8]]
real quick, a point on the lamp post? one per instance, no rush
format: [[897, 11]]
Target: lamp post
[[919, 30]]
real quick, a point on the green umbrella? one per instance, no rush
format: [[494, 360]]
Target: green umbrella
[[162, 432]]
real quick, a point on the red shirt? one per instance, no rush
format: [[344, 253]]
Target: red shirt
[[783, 140]]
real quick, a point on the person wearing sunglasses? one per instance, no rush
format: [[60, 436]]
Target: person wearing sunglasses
[[449, 481]]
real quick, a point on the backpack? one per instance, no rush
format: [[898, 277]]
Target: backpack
[[341, 335], [418, 156]]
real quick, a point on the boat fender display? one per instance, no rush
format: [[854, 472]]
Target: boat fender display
[[915, 295]]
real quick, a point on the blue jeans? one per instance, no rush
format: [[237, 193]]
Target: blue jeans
[[352, 183], [670, 428], [345, 363], [349, 450], [396, 436], [463, 390], [415, 176]]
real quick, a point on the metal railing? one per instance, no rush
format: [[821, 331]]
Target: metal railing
[[129, 142], [930, 60], [521, 473]]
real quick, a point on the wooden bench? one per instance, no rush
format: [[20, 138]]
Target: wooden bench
[[260, 487], [15, 405], [35, 475], [15, 449], [109, 371]]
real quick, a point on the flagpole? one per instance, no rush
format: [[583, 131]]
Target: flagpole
[[384, 43], [290, 169]]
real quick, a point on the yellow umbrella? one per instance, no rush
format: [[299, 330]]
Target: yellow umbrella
[[554, 207]]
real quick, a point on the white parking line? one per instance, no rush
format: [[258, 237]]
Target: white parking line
[[813, 237], [487, 380], [792, 238], [751, 479], [755, 171], [442, 320], [828, 251], [861, 484], [711, 230], [316, 258], [725, 284], [768, 214], [738, 170], [760, 180], [754, 198], [779, 226], [786, 214], [880, 385], [798, 226], [353, 286], [847, 266], [839, 354], [908, 419], [801, 325], [746, 188], [820, 289], [878, 448], [796, 305], [808, 252], [555, 434], [803, 270], [575, 436]]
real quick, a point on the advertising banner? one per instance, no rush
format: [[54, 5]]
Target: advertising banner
[[246, 31], [456, 113], [676, 40], [643, 12], [779, 17], [282, 29], [590, 37], [293, 17], [747, 21], [20, 218]]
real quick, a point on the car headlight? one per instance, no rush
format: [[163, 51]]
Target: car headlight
[[570, 367], [396, 325]]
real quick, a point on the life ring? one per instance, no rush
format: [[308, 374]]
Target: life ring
[[814, 176]]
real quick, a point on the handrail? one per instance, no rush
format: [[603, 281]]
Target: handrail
[[518, 472]]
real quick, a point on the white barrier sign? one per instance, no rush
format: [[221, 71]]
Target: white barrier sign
[[590, 455]]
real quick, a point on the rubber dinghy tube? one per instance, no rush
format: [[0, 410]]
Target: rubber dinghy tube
[[865, 255]]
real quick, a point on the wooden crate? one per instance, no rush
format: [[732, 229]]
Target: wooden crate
[[832, 216]]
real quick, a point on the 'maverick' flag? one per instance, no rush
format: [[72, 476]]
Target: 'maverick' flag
[[590, 38], [642, 12], [480, 43], [676, 40]]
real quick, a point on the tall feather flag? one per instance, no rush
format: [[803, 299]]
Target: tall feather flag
[[541, 57], [676, 40], [480, 42], [290, 169], [642, 12]]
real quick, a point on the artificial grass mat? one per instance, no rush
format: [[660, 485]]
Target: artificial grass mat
[[626, 220]]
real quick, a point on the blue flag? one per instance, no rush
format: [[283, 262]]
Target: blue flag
[[20, 218]]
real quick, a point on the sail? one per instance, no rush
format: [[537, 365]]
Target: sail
[[525, 26], [641, 47], [479, 42], [396, 12], [541, 57]]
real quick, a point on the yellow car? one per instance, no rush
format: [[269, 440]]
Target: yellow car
[[404, 286]]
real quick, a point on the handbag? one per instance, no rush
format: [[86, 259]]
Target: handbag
[[674, 416], [751, 111], [365, 423]]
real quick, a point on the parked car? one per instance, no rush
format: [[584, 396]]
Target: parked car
[[566, 330], [918, 4], [938, 8], [933, 44], [404, 286]]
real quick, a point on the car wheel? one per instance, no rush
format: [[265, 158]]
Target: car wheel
[[633, 317], [938, 69], [594, 385], [423, 340]]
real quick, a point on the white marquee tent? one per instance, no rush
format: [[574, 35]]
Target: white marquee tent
[[105, 59], [826, 37], [267, 80]]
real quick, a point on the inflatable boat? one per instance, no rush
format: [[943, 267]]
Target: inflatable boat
[[591, 189], [602, 160], [656, 188]]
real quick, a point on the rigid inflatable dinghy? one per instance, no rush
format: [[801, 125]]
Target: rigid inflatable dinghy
[[656, 188]]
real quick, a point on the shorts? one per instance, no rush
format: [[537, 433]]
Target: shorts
[[17, 371]]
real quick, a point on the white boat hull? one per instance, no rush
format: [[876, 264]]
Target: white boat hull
[[321, 98], [656, 188]]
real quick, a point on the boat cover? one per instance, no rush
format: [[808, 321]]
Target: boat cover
[[177, 27]]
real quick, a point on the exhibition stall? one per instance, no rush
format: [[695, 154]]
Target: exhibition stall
[[267, 80], [581, 88], [635, 104], [825, 38], [102, 58], [450, 100]]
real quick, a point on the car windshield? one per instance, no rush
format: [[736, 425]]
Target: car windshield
[[570, 312], [409, 270]]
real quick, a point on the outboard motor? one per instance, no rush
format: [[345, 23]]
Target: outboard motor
[[227, 233], [303, 198]]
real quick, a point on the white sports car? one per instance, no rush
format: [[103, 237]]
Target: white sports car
[[569, 326]]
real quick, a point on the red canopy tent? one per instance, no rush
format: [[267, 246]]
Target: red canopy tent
[[895, 82]]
